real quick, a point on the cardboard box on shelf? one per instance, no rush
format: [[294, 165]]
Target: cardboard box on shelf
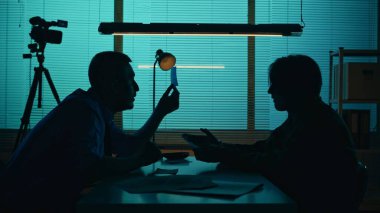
[[361, 81]]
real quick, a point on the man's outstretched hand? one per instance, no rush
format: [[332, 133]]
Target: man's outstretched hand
[[202, 141], [206, 147], [168, 103]]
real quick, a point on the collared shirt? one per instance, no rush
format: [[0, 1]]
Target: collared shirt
[[56, 157]]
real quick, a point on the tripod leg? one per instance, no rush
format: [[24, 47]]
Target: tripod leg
[[39, 105], [52, 87], [28, 107]]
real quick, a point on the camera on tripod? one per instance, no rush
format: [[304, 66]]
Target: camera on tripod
[[41, 33]]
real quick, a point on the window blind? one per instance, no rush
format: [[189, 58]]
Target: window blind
[[329, 25], [12, 75], [210, 98]]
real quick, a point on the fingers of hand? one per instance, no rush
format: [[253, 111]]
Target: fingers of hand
[[175, 93], [171, 87], [173, 98], [209, 134], [175, 90], [166, 93]]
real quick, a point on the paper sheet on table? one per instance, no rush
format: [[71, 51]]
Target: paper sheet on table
[[188, 184], [160, 171], [224, 189], [150, 184]]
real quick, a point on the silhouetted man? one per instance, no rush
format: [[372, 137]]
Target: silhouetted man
[[78, 142], [310, 156]]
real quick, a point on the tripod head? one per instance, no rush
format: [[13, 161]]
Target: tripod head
[[42, 35]]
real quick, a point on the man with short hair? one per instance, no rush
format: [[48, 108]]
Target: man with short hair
[[310, 156], [78, 142]]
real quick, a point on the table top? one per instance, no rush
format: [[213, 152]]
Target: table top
[[109, 196]]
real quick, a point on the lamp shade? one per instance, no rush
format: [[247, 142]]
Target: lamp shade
[[165, 60]]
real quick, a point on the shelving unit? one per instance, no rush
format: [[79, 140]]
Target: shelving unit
[[370, 157], [339, 100], [341, 53]]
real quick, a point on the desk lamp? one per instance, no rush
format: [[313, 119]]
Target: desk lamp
[[166, 61]]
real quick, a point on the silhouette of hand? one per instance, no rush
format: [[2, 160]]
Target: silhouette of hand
[[202, 141], [168, 103], [207, 147], [151, 153], [210, 155]]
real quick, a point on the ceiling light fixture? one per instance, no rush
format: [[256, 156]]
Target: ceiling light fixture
[[188, 29]]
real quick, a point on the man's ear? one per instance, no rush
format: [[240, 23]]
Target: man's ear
[[115, 86]]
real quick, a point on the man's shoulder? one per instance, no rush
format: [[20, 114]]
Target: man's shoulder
[[81, 98], [323, 117], [84, 101], [78, 94], [328, 127]]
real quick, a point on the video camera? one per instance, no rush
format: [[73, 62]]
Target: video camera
[[41, 33]]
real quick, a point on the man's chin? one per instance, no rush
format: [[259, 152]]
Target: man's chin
[[126, 107], [279, 107], [129, 106]]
